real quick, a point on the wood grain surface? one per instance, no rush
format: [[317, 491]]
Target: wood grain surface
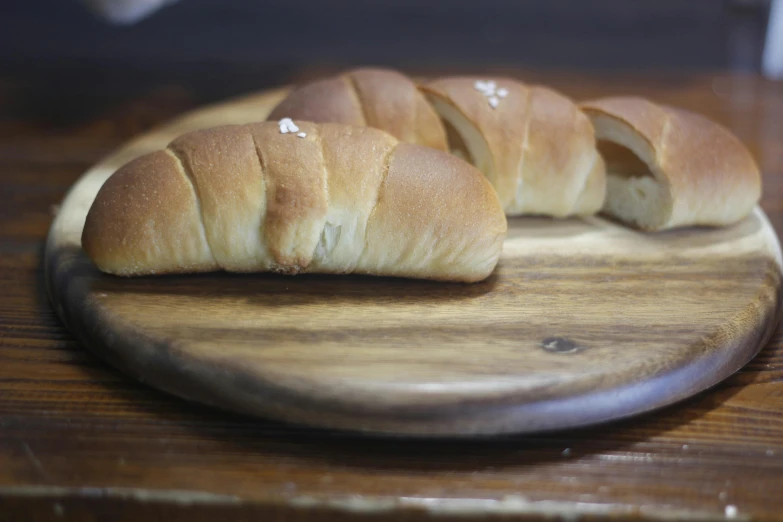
[[583, 321], [80, 441]]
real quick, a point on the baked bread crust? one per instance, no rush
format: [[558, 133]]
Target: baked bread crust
[[372, 97], [535, 146], [341, 199], [697, 172]]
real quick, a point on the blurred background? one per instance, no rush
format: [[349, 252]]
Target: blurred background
[[101, 50], [605, 34]]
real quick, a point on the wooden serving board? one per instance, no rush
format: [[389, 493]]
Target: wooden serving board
[[584, 321]]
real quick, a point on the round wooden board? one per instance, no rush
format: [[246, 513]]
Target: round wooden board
[[584, 321]]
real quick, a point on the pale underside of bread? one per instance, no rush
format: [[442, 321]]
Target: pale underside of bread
[[536, 147], [380, 98], [340, 200], [670, 168]]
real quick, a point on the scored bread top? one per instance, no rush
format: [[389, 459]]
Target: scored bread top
[[339, 199], [373, 97], [540, 148]]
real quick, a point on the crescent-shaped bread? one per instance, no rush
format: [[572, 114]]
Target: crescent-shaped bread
[[328, 198]]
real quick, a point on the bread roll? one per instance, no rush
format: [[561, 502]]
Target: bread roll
[[326, 198], [379, 98], [534, 145], [671, 168]]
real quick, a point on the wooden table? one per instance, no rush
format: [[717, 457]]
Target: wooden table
[[80, 441]]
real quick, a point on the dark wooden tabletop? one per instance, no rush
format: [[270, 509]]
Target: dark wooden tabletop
[[80, 441]]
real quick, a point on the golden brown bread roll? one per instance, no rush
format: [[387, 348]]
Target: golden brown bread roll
[[534, 145], [325, 198], [669, 167], [379, 98]]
